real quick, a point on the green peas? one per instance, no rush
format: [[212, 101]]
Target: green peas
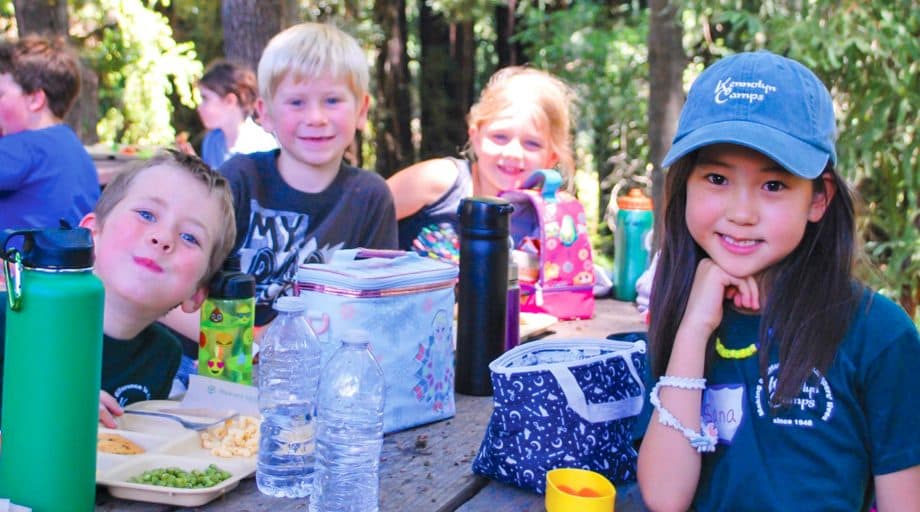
[[176, 477]]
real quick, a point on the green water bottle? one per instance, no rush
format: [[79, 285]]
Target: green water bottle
[[51, 369], [632, 242]]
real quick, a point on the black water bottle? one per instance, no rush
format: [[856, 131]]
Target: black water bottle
[[483, 290]]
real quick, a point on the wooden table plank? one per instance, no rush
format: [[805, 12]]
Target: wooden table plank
[[424, 468]]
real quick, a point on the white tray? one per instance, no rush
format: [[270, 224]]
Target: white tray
[[166, 444]]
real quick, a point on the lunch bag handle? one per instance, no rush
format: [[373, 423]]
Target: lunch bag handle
[[547, 181], [598, 413], [574, 394]]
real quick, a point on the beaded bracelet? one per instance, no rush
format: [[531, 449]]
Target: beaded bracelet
[[703, 441]]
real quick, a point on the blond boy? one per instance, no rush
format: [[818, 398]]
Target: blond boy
[[160, 232], [301, 202]]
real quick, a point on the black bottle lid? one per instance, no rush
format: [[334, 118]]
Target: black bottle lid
[[63, 248], [230, 283], [232, 263], [485, 217]]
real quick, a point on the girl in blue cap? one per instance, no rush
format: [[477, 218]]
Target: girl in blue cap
[[783, 383]]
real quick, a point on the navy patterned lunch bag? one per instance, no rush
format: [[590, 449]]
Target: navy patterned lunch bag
[[563, 404]]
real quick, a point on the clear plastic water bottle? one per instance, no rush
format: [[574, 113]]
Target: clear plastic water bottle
[[289, 366], [349, 434]]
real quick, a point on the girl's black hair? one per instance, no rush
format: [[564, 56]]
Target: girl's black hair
[[812, 293]]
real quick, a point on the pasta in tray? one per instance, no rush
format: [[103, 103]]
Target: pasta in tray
[[237, 437]]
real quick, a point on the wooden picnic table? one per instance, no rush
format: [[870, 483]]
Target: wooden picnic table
[[428, 468], [110, 165]]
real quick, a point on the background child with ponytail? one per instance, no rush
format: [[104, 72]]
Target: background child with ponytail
[[773, 363], [228, 97]]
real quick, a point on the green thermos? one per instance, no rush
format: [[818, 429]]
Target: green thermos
[[632, 242], [51, 369]]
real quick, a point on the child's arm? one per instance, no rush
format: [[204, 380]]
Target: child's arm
[[108, 409], [898, 491], [186, 324], [669, 467], [421, 184]]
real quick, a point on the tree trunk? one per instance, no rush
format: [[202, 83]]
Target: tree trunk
[[392, 113], [290, 13], [509, 53], [248, 25], [446, 75], [666, 62], [44, 17]]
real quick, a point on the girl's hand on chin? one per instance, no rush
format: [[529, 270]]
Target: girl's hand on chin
[[712, 286]]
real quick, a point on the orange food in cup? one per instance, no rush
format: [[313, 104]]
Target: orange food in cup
[[578, 490], [585, 492], [588, 492]]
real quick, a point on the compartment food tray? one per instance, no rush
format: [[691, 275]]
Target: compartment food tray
[[166, 444]]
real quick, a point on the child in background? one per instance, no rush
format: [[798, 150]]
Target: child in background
[[759, 331], [521, 123], [301, 202], [160, 231], [46, 175], [228, 97]]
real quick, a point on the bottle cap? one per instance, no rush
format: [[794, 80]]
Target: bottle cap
[[485, 217], [65, 248], [232, 263], [290, 304], [356, 337], [232, 285], [634, 200]]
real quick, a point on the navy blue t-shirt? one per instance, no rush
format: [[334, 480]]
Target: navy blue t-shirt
[[860, 419]]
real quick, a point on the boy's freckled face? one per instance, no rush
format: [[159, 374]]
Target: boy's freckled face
[[14, 111], [155, 244], [314, 121], [508, 148]]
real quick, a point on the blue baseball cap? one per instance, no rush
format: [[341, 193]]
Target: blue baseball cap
[[763, 101]]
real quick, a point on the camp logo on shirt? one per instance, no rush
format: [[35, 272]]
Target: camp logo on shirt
[[814, 403], [130, 393]]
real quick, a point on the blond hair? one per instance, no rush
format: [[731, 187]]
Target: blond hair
[[553, 98], [115, 191], [311, 50]]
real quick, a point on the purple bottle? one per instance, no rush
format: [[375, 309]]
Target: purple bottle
[[513, 328]]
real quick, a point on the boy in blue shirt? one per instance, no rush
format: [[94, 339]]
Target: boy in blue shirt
[[46, 175]]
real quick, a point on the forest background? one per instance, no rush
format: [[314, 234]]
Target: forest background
[[629, 61]]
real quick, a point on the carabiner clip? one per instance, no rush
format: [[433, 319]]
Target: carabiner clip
[[13, 279]]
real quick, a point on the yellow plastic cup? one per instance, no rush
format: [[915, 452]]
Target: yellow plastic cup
[[578, 490]]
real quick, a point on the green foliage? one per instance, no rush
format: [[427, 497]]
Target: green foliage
[[140, 65], [867, 54]]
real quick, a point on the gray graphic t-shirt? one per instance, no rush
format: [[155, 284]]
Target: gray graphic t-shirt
[[279, 227]]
